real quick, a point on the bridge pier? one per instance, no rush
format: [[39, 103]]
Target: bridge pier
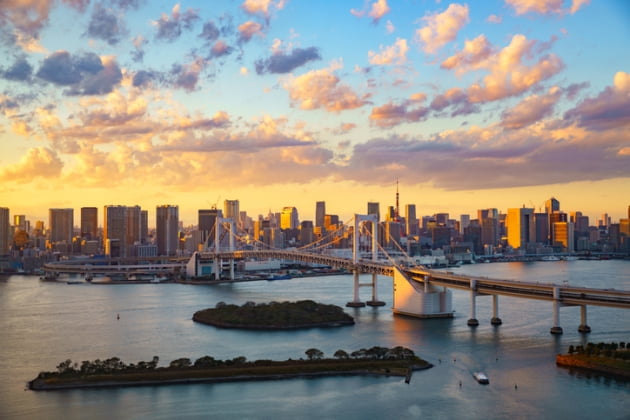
[[583, 328], [495, 311], [356, 302], [556, 328], [375, 301], [472, 321]]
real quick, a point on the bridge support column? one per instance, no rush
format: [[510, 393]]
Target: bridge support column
[[556, 328], [583, 328], [495, 311], [356, 303], [375, 301], [472, 321]]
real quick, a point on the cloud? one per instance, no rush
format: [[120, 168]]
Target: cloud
[[442, 28], [219, 49], [281, 62], [494, 19], [608, 110], [144, 77], [508, 74], [474, 55], [210, 32], [186, 76], [390, 114], [139, 42], [490, 157], [21, 70], [379, 9], [531, 109], [544, 7], [105, 25], [323, 89], [262, 7], [395, 54], [248, 29], [84, 74], [170, 28], [38, 162]]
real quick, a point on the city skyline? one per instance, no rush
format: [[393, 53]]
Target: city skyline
[[495, 104]]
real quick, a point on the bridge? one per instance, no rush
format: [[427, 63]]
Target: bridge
[[418, 291]]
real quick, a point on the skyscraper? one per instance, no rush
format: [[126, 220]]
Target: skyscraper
[[520, 227], [231, 211], [89, 222], [320, 213], [563, 235], [411, 222], [122, 228], [207, 220], [374, 208], [61, 222], [5, 230], [167, 229], [289, 218]]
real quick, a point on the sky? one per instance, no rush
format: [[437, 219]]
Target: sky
[[467, 105]]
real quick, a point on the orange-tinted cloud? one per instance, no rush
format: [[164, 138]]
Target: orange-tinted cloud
[[379, 9], [395, 54], [323, 89], [38, 162], [531, 109], [442, 28], [473, 56], [262, 7], [544, 7], [608, 110], [509, 75], [248, 29]]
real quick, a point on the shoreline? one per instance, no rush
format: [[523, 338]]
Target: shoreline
[[194, 376], [592, 365]]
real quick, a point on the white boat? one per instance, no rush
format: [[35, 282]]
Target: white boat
[[550, 258], [481, 378]]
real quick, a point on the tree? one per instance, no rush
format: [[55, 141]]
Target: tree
[[571, 349], [314, 354], [180, 363], [341, 354]]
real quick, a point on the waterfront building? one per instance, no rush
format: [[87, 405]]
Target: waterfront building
[[331, 222], [167, 229], [231, 211], [61, 222], [289, 218], [464, 222], [144, 226], [555, 217], [489, 222], [122, 229], [5, 231], [411, 222], [374, 208], [520, 227], [563, 235], [20, 223], [89, 222], [207, 219], [441, 219], [306, 232], [320, 213]]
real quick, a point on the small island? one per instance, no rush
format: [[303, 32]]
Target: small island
[[274, 315], [397, 361], [609, 359]]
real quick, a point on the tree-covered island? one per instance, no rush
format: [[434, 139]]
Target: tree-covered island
[[610, 359], [274, 315], [397, 361]]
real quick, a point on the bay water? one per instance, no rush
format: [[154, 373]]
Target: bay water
[[45, 323]]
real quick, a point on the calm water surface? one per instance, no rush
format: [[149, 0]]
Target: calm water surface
[[42, 324]]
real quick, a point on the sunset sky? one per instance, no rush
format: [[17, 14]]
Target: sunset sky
[[494, 103]]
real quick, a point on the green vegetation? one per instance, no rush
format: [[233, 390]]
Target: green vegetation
[[607, 358], [274, 315], [398, 361]]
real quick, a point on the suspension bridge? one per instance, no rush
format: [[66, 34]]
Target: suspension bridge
[[417, 290]]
